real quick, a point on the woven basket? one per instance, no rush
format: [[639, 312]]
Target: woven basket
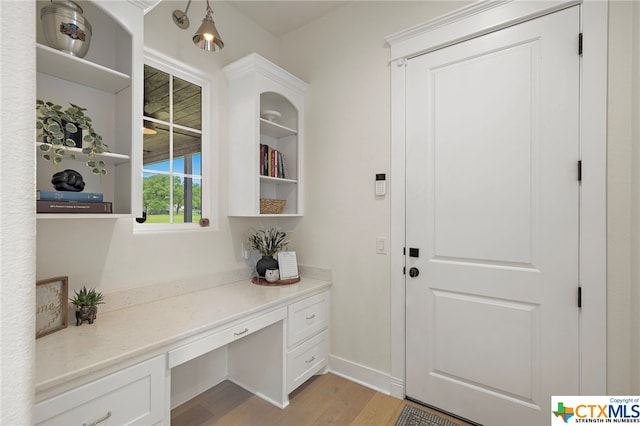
[[271, 206]]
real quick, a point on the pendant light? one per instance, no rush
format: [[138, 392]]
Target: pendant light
[[207, 36], [148, 128]]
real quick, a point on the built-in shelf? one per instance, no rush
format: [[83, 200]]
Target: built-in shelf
[[71, 68], [256, 84], [275, 130], [80, 216], [108, 157], [269, 179]]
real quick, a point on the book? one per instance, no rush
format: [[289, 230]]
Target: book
[[272, 162], [69, 196], [45, 206]]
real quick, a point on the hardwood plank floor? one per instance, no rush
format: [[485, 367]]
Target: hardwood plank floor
[[323, 400]]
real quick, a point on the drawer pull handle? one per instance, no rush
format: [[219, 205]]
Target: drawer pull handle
[[311, 317], [242, 332], [313, 358], [99, 420]]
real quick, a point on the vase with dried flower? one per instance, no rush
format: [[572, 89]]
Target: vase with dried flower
[[267, 242]]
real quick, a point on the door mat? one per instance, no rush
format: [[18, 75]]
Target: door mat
[[414, 416]]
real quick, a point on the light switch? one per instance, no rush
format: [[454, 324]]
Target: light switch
[[381, 245]]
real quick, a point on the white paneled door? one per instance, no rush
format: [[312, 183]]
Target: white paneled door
[[492, 209]]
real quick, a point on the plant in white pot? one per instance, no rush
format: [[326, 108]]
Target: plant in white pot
[[61, 129], [267, 242]]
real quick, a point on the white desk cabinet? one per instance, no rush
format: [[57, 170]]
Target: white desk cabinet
[[133, 396], [308, 339], [272, 339]]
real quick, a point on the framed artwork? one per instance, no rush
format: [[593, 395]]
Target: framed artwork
[[51, 305]]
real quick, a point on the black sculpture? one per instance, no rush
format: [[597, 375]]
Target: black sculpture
[[68, 180]]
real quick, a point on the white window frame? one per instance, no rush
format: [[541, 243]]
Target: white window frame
[[209, 148]]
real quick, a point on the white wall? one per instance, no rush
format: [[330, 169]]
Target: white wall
[[107, 254], [619, 215], [343, 58], [17, 211], [635, 206]]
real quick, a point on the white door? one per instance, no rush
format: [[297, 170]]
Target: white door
[[492, 207]]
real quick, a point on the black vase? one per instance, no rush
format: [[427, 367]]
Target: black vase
[[75, 137], [266, 262]]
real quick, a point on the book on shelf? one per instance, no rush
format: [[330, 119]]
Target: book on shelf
[[89, 197], [272, 162], [46, 206]]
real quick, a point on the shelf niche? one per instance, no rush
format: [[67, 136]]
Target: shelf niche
[[257, 85], [103, 83]]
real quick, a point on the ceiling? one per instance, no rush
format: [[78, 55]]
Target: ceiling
[[281, 17]]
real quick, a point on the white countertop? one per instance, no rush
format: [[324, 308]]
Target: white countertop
[[123, 337]]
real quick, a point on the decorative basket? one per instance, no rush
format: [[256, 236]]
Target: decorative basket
[[271, 206]]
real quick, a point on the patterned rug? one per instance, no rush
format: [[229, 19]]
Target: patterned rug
[[413, 416]]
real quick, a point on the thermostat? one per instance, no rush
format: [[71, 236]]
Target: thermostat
[[381, 183]]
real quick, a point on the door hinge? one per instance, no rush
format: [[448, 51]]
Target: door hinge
[[579, 297], [580, 44], [404, 270], [579, 170]]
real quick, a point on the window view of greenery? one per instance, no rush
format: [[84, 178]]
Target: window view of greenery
[[158, 200], [172, 151]]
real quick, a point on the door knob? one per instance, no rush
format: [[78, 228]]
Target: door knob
[[414, 272]]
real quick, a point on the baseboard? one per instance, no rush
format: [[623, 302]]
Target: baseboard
[[363, 375]]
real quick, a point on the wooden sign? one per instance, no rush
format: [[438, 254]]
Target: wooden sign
[[51, 305]]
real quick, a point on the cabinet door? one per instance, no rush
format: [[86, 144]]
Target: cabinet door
[[133, 396]]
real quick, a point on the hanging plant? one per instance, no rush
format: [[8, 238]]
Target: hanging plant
[[58, 128]]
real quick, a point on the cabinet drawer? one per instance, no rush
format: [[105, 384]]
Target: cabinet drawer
[[306, 360], [220, 338], [133, 396], [307, 317]]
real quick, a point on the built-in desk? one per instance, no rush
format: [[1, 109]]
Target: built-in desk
[[274, 338]]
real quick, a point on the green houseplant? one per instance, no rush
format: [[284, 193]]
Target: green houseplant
[[267, 242], [57, 129], [86, 302]]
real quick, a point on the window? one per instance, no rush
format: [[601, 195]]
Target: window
[[175, 148]]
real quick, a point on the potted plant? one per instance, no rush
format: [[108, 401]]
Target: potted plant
[[267, 243], [86, 303], [63, 128]]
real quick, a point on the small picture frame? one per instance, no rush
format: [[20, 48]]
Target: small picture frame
[[51, 305]]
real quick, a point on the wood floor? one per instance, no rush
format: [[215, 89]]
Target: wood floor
[[324, 400]]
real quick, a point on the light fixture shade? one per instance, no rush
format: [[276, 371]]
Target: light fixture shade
[[148, 128], [207, 36]]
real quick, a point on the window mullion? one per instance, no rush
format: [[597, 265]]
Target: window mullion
[[171, 171]]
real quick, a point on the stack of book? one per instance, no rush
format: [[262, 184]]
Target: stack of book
[[71, 202], [272, 162]]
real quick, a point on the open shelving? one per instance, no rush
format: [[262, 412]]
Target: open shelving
[[256, 84], [103, 83]]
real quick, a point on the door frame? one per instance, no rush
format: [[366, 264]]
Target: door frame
[[469, 22]]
